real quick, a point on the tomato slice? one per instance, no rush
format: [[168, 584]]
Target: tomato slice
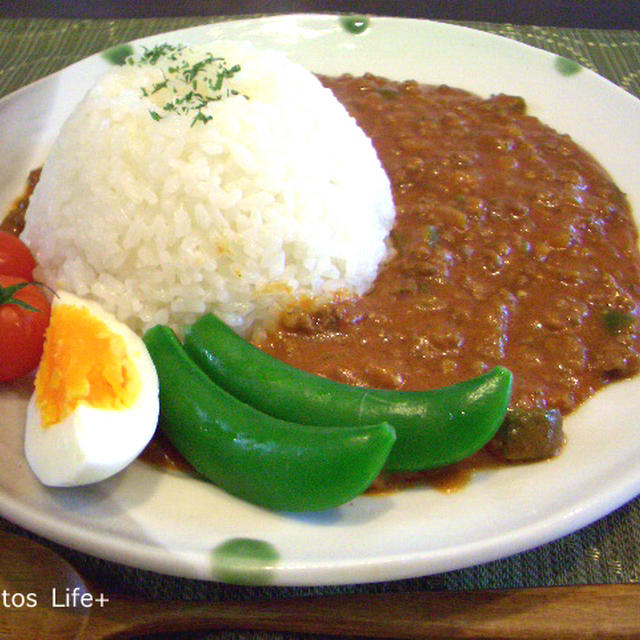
[[15, 257], [24, 318]]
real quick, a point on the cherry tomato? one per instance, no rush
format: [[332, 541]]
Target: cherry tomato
[[15, 257], [21, 329]]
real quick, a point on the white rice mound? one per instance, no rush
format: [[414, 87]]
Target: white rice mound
[[278, 196]]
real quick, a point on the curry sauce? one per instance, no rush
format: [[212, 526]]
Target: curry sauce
[[13, 221], [512, 247]]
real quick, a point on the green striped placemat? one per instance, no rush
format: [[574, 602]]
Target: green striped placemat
[[33, 48]]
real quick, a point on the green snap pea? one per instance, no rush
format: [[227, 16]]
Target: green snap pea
[[434, 428], [261, 459]]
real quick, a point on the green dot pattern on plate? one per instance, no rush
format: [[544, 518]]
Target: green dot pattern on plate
[[354, 24], [118, 54], [245, 561], [566, 66]]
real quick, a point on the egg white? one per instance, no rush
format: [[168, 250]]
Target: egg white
[[92, 444]]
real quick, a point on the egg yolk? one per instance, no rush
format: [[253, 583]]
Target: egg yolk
[[83, 362]]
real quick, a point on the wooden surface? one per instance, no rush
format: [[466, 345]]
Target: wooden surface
[[585, 613]]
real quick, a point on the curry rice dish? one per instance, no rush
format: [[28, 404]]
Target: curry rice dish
[[512, 247]]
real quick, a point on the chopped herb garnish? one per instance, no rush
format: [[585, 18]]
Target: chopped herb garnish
[[202, 118], [616, 322], [158, 86], [187, 87], [433, 235], [151, 56], [389, 94]]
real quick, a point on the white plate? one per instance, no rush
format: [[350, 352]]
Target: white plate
[[177, 525]]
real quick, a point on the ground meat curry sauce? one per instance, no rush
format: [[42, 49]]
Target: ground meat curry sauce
[[512, 247]]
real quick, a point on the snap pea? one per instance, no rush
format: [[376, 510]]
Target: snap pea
[[434, 428], [264, 460]]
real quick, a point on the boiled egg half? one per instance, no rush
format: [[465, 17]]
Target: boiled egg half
[[95, 404]]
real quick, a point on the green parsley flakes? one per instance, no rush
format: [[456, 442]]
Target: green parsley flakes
[[187, 87]]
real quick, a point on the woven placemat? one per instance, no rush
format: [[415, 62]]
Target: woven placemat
[[33, 48], [607, 551]]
